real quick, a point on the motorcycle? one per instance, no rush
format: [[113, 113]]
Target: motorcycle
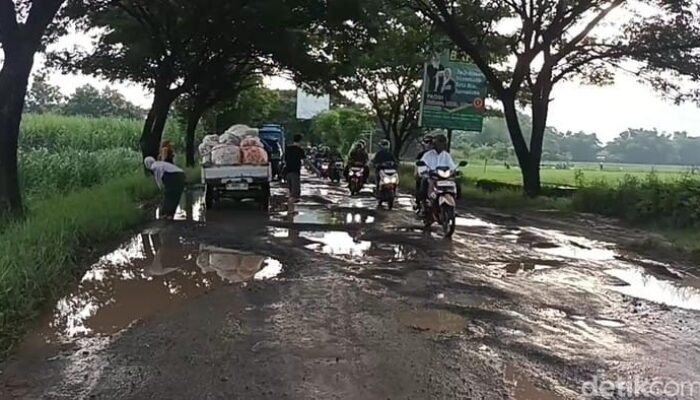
[[356, 179], [325, 169], [441, 205], [336, 172], [388, 184]]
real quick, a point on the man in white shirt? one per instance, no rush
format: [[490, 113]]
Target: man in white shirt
[[436, 158]]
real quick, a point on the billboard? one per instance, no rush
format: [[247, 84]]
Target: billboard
[[309, 105], [453, 93]]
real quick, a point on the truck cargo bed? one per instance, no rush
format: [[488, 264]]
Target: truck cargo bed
[[225, 172]]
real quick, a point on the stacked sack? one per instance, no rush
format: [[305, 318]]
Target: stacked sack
[[227, 151], [253, 152], [240, 144], [207, 146]]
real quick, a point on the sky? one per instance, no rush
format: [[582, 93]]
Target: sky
[[607, 111]]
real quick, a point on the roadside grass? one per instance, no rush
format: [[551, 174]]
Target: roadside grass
[[39, 256]]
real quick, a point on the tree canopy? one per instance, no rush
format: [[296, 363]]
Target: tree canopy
[[524, 48]]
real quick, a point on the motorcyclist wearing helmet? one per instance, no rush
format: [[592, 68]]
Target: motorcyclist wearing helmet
[[426, 145], [383, 157], [358, 156], [334, 155], [434, 159]]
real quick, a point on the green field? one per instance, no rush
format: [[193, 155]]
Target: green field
[[589, 171]]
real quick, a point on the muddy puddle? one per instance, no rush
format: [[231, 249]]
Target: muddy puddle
[[433, 321], [642, 285], [317, 215], [523, 388], [150, 274], [350, 247], [192, 206], [555, 243]]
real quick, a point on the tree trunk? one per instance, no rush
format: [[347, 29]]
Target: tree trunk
[[155, 123], [14, 78], [195, 115], [529, 165]]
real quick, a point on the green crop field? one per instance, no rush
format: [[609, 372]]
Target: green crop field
[[60, 154], [590, 172]]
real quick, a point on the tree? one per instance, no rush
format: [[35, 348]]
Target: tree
[[88, 101], [340, 128], [24, 30], [524, 48], [43, 97], [581, 146], [220, 83], [688, 148], [640, 146], [386, 68], [171, 45]]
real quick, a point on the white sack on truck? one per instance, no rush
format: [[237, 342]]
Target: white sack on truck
[[234, 130], [226, 154], [208, 144], [229, 138]]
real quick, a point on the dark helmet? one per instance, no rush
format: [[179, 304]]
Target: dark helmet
[[385, 144]]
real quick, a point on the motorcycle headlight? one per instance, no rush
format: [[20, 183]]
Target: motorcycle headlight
[[387, 180], [444, 174]]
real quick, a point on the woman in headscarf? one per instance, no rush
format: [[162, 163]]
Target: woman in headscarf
[[169, 178]]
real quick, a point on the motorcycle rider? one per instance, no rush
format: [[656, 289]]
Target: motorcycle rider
[[383, 156], [319, 157], [436, 158], [427, 145], [358, 156]]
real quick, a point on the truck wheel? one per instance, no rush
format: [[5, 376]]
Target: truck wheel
[[209, 196], [265, 203]]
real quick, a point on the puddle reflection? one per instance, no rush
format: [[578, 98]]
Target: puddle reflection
[[306, 215], [149, 274], [645, 286], [191, 208], [567, 246], [344, 246]]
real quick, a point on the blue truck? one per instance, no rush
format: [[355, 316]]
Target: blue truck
[[275, 141]]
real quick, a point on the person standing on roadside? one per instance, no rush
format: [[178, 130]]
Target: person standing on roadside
[[167, 152], [293, 158], [169, 178]]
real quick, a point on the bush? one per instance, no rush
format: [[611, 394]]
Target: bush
[[667, 203], [37, 255]]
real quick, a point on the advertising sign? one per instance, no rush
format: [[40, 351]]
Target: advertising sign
[[453, 94]]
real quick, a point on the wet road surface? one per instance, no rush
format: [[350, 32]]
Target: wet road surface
[[346, 301]]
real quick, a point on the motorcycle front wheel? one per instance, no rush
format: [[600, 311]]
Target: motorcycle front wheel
[[449, 220]]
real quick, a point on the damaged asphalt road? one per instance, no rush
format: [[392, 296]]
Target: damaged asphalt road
[[345, 301]]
